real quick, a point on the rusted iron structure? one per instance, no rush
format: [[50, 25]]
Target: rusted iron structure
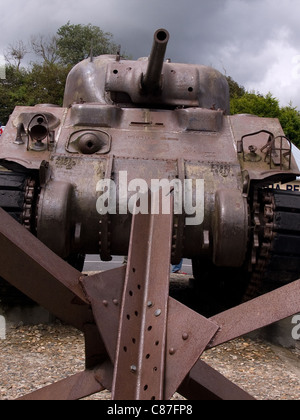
[[148, 119]]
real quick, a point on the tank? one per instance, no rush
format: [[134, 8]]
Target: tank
[[74, 175]]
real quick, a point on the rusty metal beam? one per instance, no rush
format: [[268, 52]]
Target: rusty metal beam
[[75, 387], [104, 292], [160, 339], [257, 313], [188, 335], [205, 383], [140, 357], [40, 274]]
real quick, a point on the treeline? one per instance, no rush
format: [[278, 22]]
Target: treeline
[[43, 81], [244, 102]]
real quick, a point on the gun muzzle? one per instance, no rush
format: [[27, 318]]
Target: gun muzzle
[[152, 80]]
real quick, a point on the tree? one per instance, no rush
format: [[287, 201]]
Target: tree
[[46, 48], [13, 91], [266, 106], [256, 104], [290, 122], [15, 53], [72, 43], [235, 90], [46, 83], [42, 83], [75, 42]]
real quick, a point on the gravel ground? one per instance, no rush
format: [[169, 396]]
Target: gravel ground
[[34, 356]]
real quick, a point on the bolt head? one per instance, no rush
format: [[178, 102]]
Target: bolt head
[[133, 368]]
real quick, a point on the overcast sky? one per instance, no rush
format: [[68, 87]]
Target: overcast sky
[[256, 42]]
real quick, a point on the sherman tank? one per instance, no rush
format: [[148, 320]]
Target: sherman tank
[[73, 175]]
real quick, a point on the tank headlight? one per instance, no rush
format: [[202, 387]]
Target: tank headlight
[[38, 131]]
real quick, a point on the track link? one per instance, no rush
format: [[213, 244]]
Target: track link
[[12, 194], [18, 198], [284, 263], [276, 241]]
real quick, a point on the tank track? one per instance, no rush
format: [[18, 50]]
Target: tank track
[[275, 255], [18, 195]]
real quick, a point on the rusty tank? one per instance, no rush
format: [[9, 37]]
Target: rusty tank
[[125, 123]]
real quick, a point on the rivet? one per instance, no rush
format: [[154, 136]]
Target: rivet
[[157, 313], [149, 304], [172, 351], [133, 369], [185, 336], [105, 303], [116, 302]]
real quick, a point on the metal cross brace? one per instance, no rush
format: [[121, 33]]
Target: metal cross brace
[[140, 343]]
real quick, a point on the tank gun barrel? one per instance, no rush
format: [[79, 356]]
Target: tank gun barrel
[[151, 81]]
